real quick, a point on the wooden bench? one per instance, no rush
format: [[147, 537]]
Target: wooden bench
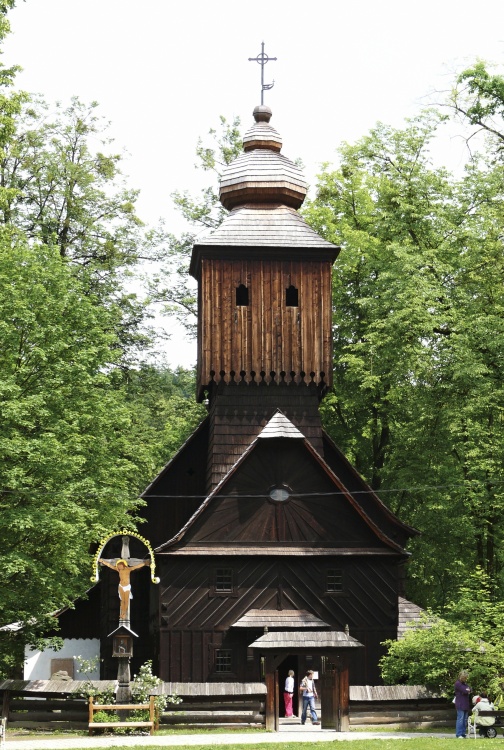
[[121, 707]]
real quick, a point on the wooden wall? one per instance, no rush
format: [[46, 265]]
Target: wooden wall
[[266, 335], [195, 621]]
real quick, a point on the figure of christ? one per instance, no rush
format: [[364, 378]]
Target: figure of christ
[[124, 570]]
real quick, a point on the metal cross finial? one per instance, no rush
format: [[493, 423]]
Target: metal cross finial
[[262, 58]]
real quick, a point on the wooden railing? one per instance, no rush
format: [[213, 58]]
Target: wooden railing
[[121, 707]]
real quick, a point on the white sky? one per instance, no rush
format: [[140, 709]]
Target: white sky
[[164, 70]]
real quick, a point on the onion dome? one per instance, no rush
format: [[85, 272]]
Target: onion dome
[[262, 174]]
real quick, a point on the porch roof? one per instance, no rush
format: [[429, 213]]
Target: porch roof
[[279, 618], [306, 640]]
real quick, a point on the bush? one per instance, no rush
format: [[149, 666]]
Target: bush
[[434, 655], [144, 685]]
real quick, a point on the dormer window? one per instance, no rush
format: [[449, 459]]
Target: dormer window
[[291, 296], [242, 296]]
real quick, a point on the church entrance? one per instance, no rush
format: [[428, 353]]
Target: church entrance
[[290, 662], [330, 649]]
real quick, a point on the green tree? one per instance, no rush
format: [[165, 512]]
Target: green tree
[[418, 397], [70, 470], [62, 185], [469, 637], [66, 187], [433, 655], [164, 409], [392, 213], [81, 422], [477, 99]]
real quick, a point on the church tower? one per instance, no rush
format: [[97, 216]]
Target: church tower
[[264, 301], [259, 521]]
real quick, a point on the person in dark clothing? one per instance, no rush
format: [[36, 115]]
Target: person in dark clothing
[[462, 704]]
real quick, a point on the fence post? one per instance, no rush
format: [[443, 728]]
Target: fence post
[[151, 713], [90, 713]]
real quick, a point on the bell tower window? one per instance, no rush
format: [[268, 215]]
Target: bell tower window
[[291, 296], [242, 296]]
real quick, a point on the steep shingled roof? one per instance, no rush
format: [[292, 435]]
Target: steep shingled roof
[[264, 225]]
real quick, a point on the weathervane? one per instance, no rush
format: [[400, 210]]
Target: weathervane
[[262, 58]]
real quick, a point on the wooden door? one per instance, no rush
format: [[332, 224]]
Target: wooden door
[[334, 696], [272, 700], [329, 699]]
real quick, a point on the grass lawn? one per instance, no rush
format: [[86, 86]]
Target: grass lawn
[[417, 743]]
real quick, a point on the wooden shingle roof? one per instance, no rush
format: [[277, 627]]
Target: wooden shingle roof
[[410, 614], [264, 226], [279, 618], [280, 427], [261, 173], [240, 532], [304, 639], [262, 135]]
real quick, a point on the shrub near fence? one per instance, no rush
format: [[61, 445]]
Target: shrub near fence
[[47, 704]]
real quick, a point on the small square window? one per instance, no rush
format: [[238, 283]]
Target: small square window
[[223, 580], [223, 660], [334, 581]]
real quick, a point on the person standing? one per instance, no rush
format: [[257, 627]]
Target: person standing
[[462, 704], [309, 692], [288, 693]]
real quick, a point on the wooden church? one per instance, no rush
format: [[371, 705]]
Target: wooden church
[[272, 551]]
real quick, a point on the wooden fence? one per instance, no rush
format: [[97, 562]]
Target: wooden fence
[[404, 705], [214, 703], [46, 705]]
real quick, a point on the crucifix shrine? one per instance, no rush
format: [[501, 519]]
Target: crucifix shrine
[[122, 636], [124, 566]]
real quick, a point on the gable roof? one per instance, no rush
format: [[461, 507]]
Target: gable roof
[[306, 640], [363, 494], [280, 428]]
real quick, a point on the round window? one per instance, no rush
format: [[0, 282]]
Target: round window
[[279, 494]]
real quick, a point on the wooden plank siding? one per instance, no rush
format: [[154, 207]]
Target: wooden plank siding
[[197, 620], [315, 513], [267, 335]]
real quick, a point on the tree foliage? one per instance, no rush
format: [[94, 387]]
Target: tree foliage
[[470, 637], [69, 470], [478, 100], [82, 425], [165, 410], [418, 397], [64, 187]]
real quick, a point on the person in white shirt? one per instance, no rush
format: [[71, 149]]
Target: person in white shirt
[[288, 693]]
